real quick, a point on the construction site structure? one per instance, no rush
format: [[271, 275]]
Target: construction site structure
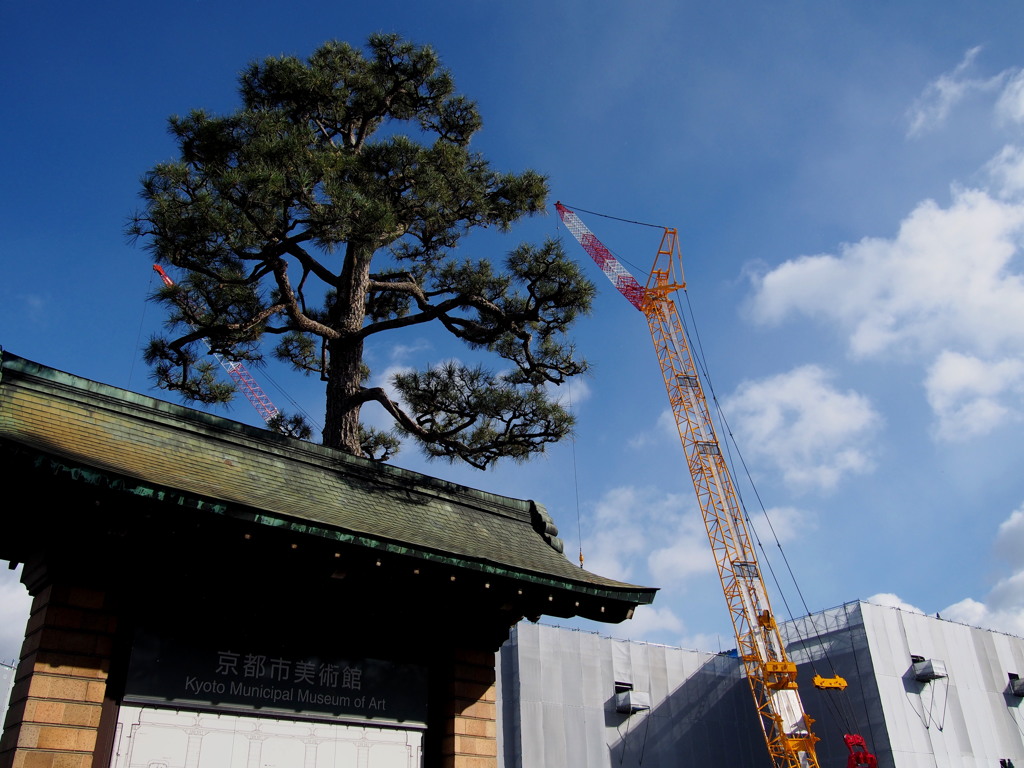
[[760, 647]]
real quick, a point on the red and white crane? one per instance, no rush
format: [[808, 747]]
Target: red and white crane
[[239, 373], [772, 676]]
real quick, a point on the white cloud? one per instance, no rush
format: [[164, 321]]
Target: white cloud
[[812, 432], [401, 358], [38, 308], [647, 619], [707, 642], [781, 523], [1003, 610], [1003, 607], [649, 537], [372, 414], [945, 279], [660, 540], [935, 103], [947, 292], [967, 611], [385, 378], [623, 521], [971, 397], [1006, 171], [665, 429], [684, 552], [571, 394], [890, 600], [1009, 544], [651, 621], [400, 353], [1010, 105]]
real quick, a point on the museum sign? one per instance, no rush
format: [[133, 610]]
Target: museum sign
[[173, 672]]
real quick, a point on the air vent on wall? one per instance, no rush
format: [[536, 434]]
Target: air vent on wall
[[926, 670], [1016, 685], [628, 701]]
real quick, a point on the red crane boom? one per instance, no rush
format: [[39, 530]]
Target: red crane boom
[[238, 372]]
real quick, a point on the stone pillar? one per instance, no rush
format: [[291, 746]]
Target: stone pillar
[[471, 730], [61, 681]]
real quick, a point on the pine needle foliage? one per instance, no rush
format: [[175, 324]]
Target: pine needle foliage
[[330, 208]]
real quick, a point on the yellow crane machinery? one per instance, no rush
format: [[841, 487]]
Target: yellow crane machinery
[[772, 676]]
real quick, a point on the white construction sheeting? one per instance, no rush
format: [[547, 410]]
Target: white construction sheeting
[[557, 704], [557, 696], [969, 718]]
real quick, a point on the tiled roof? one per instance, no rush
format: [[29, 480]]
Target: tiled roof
[[151, 447]]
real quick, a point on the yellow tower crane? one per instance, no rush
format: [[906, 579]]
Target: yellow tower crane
[[772, 676]]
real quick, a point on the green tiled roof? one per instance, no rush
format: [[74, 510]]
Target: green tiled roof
[[137, 444]]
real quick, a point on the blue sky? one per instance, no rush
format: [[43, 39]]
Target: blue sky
[[848, 182]]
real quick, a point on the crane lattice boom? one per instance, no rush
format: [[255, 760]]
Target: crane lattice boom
[[772, 676], [239, 373]]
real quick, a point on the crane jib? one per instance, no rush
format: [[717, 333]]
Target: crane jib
[[620, 277]]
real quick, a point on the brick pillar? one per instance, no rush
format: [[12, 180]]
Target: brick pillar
[[61, 681], [471, 722]]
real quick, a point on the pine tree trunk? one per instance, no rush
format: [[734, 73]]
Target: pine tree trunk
[[345, 354], [341, 423]]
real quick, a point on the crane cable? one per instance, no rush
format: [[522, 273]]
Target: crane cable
[[731, 444], [576, 481], [614, 218], [846, 713], [313, 422], [572, 444], [138, 335]]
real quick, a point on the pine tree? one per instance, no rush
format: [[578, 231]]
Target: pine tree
[[329, 208]]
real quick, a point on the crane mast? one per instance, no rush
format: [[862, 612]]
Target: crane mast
[[239, 373], [772, 676]]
